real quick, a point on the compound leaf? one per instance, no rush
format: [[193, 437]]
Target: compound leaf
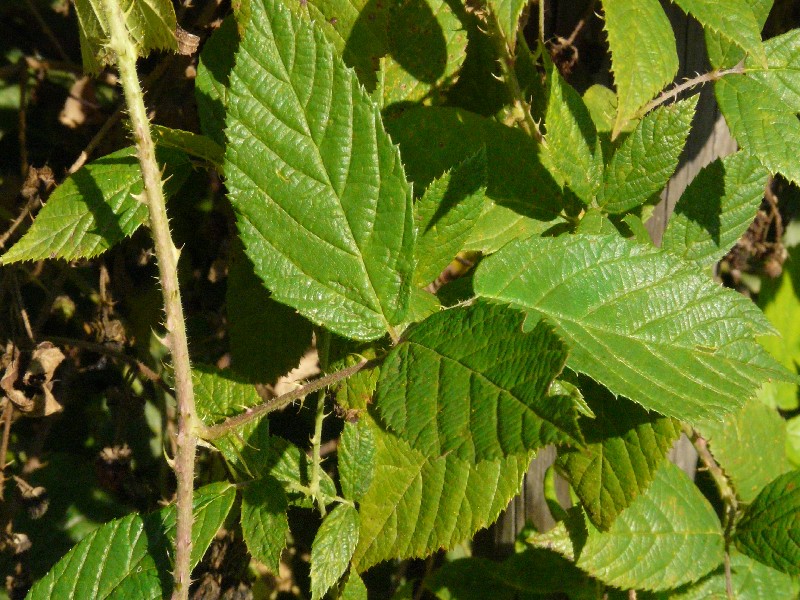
[[736, 23], [669, 536], [417, 504], [95, 208], [642, 165], [625, 446], [783, 72], [638, 320], [469, 382], [130, 557], [724, 53], [716, 209], [264, 521], [151, 24], [312, 174], [643, 54], [333, 547], [769, 530]]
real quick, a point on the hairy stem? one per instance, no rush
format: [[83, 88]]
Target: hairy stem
[[687, 85], [727, 494], [506, 51], [167, 256], [231, 424], [323, 350]]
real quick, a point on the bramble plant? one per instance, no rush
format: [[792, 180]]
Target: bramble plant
[[359, 163]]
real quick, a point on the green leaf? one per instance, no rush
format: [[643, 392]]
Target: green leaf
[[94, 208], [643, 54], [571, 151], [356, 459], [292, 466], [783, 72], [417, 504], [356, 28], [642, 165], [305, 141], [264, 521], [638, 320], [130, 557], [190, 143], [267, 338], [522, 198], [716, 209], [446, 215], [780, 301], [507, 13], [528, 575], [754, 112], [769, 530], [669, 536], [750, 580], [625, 446], [333, 547], [470, 383], [355, 392], [601, 102], [213, 74], [750, 446], [427, 46], [723, 53], [151, 24], [354, 589], [736, 23]]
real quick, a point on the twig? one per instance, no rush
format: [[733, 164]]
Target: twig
[[542, 7], [114, 118], [507, 58], [689, 84], [217, 431], [23, 119], [323, 350], [48, 32], [727, 494], [582, 23], [142, 368], [20, 306], [8, 413], [167, 256], [26, 210]]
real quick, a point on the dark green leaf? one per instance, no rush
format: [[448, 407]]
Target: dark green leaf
[[625, 446], [129, 557], [94, 208], [769, 530], [264, 521], [469, 383], [213, 73]]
